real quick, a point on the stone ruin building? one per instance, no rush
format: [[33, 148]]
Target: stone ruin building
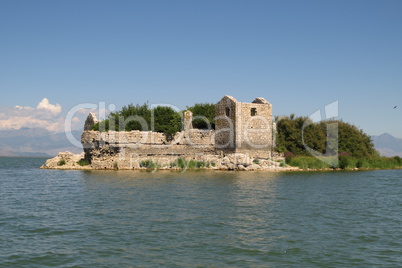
[[244, 127], [240, 129]]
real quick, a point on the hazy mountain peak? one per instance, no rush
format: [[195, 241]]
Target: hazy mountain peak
[[35, 142], [387, 145]]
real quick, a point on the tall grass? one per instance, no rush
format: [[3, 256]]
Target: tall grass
[[346, 162], [149, 164], [306, 162], [380, 163], [192, 164]]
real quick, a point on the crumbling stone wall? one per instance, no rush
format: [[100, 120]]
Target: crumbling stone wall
[[122, 146], [255, 128], [244, 128], [90, 121]]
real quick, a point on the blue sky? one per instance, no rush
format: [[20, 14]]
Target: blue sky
[[299, 55]]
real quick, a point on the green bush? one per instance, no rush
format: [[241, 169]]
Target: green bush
[[166, 120], [141, 117], [288, 157], [192, 164], [83, 162], [343, 162], [62, 162], [197, 164], [149, 164], [181, 163], [203, 115], [295, 133], [359, 163]]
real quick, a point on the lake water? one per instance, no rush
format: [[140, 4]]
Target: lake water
[[198, 219]]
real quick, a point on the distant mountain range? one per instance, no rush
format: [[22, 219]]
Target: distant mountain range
[[387, 145], [35, 142]]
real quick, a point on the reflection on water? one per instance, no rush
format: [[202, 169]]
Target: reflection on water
[[240, 219]]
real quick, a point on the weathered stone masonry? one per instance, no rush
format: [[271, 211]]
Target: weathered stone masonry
[[125, 147], [241, 128], [244, 127]]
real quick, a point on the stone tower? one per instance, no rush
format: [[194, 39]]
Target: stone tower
[[244, 127]]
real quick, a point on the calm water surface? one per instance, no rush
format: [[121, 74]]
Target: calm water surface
[[198, 219]]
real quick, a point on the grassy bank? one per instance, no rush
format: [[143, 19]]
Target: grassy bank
[[346, 162], [180, 163]]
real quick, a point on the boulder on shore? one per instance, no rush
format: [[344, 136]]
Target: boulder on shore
[[66, 160]]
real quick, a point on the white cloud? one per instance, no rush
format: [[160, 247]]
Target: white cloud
[[45, 115], [23, 108], [44, 104], [101, 114], [16, 122]]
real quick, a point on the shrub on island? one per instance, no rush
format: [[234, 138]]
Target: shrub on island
[[356, 147], [159, 119]]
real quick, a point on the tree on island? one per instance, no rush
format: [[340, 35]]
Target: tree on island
[[203, 115], [355, 148], [159, 119], [289, 137]]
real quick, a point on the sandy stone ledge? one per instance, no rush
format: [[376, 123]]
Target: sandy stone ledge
[[66, 160], [238, 162]]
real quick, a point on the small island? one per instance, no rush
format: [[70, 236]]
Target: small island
[[228, 135]]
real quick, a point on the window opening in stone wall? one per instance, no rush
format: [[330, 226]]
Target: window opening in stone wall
[[253, 111], [227, 111]]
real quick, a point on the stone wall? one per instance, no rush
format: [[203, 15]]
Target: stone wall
[[244, 127], [243, 140], [225, 120], [106, 149], [254, 128]]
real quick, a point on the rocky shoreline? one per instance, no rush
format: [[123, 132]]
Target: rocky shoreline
[[230, 162]]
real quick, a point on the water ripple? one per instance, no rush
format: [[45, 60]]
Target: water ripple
[[198, 219]]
